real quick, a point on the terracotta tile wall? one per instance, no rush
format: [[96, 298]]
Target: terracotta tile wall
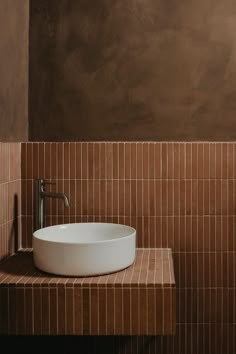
[[177, 195], [10, 198]]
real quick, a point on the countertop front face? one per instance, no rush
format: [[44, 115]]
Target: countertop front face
[[139, 300]]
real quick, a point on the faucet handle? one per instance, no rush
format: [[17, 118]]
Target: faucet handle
[[49, 183], [43, 183]]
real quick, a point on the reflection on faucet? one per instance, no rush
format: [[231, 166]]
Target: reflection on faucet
[[40, 194]]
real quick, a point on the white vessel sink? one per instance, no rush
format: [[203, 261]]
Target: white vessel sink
[[84, 249]]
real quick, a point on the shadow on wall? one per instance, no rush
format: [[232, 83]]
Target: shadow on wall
[[13, 239], [87, 344]]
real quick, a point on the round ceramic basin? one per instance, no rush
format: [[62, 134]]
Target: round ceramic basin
[[84, 249]]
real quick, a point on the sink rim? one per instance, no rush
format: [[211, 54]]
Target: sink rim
[[36, 234]]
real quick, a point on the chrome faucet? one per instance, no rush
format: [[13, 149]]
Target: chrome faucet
[[40, 194]]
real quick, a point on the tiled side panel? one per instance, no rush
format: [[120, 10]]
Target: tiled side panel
[[10, 198], [177, 195]]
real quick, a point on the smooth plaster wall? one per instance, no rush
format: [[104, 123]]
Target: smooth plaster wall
[[132, 70], [14, 32]]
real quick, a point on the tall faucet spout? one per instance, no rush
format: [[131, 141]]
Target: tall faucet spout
[[39, 202], [56, 196]]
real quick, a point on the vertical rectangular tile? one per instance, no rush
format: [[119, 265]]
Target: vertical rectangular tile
[[195, 160], [121, 163], [78, 152], [54, 160], [145, 199], [69, 316], [225, 161], [182, 197], [212, 160], [35, 160], [126, 310], [206, 156], [139, 160], [176, 157], [78, 311], [164, 160], [94, 318], [151, 160], [158, 197], [145, 166], [170, 161], [60, 160], [135, 311], [190, 197], [110, 329], [84, 197], [200, 160], [118, 312], [48, 169], [45, 310], [12, 311], [28, 311], [103, 198], [151, 300], [230, 159], [143, 322], [84, 161], [115, 161], [189, 160], [219, 207], [23, 161], [164, 205], [200, 197], [37, 311], [115, 197], [53, 300], [159, 310], [127, 160], [152, 197], [29, 163], [91, 171], [41, 160], [109, 160], [61, 310], [72, 154], [86, 310], [133, 161], [212, 197], [158, 161], [102, 311], [218, 160]]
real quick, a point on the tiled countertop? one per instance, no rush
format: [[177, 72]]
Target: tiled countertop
[[139, 300], [152, 268]]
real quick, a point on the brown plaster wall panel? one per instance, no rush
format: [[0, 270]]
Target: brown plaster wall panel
[[14, 33], [89, 310], [132, 70]]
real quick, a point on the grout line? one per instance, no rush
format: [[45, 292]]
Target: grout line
[[142, 192], [75, 167], [185, 265], [161, 193], [118, 186], [126, 179], [87, 175]]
